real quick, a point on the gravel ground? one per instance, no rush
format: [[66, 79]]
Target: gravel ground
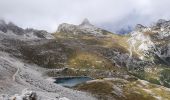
[[17, 76]]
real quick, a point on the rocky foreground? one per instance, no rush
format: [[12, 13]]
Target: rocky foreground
[[20, 80], [17, 76]]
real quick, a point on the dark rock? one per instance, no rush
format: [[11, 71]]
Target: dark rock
[[85, 22], [15, 29], [139, 27]]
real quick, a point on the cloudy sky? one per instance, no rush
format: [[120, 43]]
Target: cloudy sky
[[109, 14]]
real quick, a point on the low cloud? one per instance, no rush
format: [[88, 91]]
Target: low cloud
[[109, 14]]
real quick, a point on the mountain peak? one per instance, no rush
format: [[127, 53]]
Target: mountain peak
[[85, 22], [84, 28], [139, 27], [160, 21], [2, 22]]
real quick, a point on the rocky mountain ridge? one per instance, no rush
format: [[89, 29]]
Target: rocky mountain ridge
[[29, 33], [153, 42], [29, 58], [84, 28], [19, 74]]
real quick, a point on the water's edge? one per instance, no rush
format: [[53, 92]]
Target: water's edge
[[71, 81]]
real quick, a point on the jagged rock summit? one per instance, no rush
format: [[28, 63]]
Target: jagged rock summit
[[161, 25], [15, 31], [86, 22], [84, 28], [154, 41], [139, 27]]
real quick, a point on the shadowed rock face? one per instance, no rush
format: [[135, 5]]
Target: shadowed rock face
[[15, 29], [161, 23], [139, 27], [5, 27], [12, 29]]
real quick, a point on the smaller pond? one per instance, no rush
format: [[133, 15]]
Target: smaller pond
[[71, 81]]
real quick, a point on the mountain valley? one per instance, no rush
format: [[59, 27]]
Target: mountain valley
[[123, 67]]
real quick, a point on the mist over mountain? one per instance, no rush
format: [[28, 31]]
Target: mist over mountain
[[112, 14], [125, 30]]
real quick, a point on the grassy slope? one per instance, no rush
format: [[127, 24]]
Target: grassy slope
[[103, 88], [87, 50], [119, 89]]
